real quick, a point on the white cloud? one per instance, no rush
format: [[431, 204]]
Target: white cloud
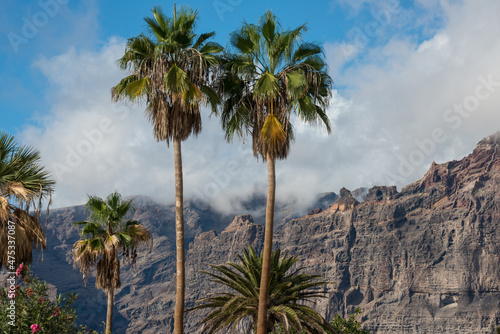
[[407, 90], [397, 95]]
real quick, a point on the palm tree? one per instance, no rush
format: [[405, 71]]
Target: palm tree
[[288, 292], [24, 183], [103, 238], [171, 70], [271, 76]]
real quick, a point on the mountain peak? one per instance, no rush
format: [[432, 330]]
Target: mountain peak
[[345, 202], [240, 221], [457, 179], [489, 143]]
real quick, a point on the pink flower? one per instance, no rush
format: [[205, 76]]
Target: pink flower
[[35, 328], [20, 270], [57, 313]]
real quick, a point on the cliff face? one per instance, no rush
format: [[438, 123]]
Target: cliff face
[[423, 260]]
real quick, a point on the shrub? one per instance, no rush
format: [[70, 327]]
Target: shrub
[[350, 325], [25, 307], [341, 325]]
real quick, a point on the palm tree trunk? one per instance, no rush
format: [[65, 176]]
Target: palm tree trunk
[[268, 247], [179, 239], [109, 315]]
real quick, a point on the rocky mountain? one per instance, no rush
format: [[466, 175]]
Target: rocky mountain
[[422, 260]]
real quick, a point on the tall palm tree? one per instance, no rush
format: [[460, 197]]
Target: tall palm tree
[[171, 69], [288, 290], [103, 238], [24, 183], [270, 76]]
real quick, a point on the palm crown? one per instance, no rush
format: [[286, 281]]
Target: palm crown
[[104, 236], [270, 76], [24, 182], [288, 290], [170, 68]]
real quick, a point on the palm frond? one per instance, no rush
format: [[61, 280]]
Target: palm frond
[[272, 130], [288, 288], [202, 39]]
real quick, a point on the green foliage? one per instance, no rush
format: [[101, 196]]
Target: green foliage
[[350, 325], [340, 325], [103, 237], [288, 290], [34, 311], [281, 330]]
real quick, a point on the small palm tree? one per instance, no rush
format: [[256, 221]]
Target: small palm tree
[[103, 238], [270, 76], [171, 70], [288, 290], [24, 183]]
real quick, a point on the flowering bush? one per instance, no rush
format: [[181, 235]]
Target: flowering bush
[[25, 307]]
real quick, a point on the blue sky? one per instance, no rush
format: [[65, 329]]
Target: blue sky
[[404, 71], [86, 25]]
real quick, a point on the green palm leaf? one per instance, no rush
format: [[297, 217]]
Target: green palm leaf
[[211, 47], [266, 87], [169, 69]]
